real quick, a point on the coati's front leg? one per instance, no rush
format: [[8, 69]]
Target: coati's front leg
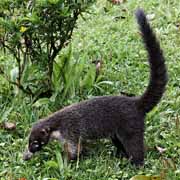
[[72, 149], [120, 149]]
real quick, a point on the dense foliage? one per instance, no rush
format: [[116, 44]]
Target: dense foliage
[[34, 32]]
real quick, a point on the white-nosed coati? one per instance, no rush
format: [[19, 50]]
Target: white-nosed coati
[[120, 118]]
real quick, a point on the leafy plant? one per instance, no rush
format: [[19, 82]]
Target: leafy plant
[[76, 76], [34, 32]]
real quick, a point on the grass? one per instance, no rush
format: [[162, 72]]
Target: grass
[[109, 33]]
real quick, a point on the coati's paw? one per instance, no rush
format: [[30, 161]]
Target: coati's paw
[[138, 163], [120, 153]]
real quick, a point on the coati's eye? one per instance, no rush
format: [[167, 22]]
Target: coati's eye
[[35, 142]]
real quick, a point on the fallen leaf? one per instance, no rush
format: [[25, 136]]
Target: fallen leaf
[[156, 178], [143, 177], [9, 126], [117, 1], [22, 179]]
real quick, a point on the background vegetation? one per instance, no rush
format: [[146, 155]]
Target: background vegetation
[[107, 34]]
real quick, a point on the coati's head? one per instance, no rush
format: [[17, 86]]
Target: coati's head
[[39, 137]]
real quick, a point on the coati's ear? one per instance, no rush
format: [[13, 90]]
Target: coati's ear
[[45, 131]]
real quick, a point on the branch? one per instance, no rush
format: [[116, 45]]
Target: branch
[[27, 91]]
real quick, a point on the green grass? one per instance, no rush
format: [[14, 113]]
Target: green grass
[[104, 35]]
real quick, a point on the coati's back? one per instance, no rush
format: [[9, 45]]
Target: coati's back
[[100, 117]]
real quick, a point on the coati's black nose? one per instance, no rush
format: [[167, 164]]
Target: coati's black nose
[[34, 147]]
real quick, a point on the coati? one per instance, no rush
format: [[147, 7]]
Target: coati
[[120, 118]]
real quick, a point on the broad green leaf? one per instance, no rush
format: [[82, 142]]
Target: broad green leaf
[[60, 161], [40, 102], [52, 164], [105, 82], [89, 78], [53, 1]]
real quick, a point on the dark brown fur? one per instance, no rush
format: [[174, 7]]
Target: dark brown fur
[[120, 118]]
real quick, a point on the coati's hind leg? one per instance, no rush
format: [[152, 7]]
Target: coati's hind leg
[[134, 147], [120, 149]]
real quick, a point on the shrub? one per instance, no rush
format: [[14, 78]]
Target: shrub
[[34, 32]]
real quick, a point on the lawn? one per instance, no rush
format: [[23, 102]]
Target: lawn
[[108, 33]]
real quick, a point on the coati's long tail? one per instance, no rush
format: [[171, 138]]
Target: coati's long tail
[[158, 75]]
